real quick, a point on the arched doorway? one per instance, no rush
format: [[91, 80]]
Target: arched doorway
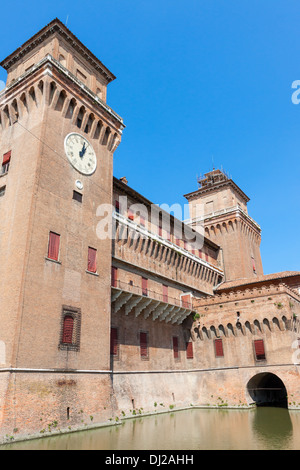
[[267, 389]]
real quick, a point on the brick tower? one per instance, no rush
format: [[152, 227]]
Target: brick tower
[[221, 206], [57, 138]]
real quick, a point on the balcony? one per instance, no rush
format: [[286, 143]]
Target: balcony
[[150, 304]]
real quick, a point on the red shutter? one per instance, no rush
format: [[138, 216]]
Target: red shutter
[[53, 247], [144, 344], [68, 330], [219, 348], [114, 341], [259, 349], [144, 286], [130, 214], [175, 347], [6, 158], [186, 301], [165, 293], [189, 350], [92, 257], [114, 276]]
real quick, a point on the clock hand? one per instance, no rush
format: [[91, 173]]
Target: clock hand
[[82, 151]]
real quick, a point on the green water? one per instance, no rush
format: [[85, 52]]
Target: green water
[[195, 429]]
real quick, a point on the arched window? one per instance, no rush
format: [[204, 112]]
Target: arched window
[[70, 329]]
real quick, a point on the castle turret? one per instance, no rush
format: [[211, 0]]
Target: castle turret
[[221, 206]]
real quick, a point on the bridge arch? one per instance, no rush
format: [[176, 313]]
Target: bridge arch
[[267, 389]]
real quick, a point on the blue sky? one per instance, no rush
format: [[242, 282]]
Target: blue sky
[[199, 83]]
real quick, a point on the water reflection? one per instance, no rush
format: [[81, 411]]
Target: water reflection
[[195, 429], [273, 427]]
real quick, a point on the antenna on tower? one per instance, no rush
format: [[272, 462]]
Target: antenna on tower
[[67, 20]]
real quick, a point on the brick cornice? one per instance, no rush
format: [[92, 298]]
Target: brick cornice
[[57, 27]]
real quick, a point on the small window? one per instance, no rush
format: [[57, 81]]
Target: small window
[[144, 286], [114, 343], [144, 351], [92, 260], [189, 350], [2, 191], [6, 162], [117, 207], [259, 349], [114, 276], [165, 293], [219, 347], [175, 347], [53, 246], [70, 329], [77, 196]]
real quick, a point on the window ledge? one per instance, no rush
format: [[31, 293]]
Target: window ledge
[[52, 260], [90, 272]]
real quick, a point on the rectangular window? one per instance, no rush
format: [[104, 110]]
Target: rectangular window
[[114, 276], [6, 162], [144, 345], [77, 196], [165, 293], [219, 348], [53, 246], [117, 207], [144, 286], [186, 301], [2, 191], [114, 343], [92, 260], [259, 349], [70, 329], [189, 350], [175, 347]]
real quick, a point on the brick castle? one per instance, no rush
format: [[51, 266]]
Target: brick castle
[[158, 315]]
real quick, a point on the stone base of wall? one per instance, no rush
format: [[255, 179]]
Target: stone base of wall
[[38, 403]]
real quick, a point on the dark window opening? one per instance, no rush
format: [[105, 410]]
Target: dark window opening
[[77, 196]]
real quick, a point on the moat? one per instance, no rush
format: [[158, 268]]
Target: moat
[[263, 428]]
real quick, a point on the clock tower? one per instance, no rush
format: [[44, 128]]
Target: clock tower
[[57, 139]]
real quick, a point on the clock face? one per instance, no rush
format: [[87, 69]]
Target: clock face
[[80, 153]]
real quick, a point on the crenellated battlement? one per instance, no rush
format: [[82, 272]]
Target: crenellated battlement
[[254, 293]]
